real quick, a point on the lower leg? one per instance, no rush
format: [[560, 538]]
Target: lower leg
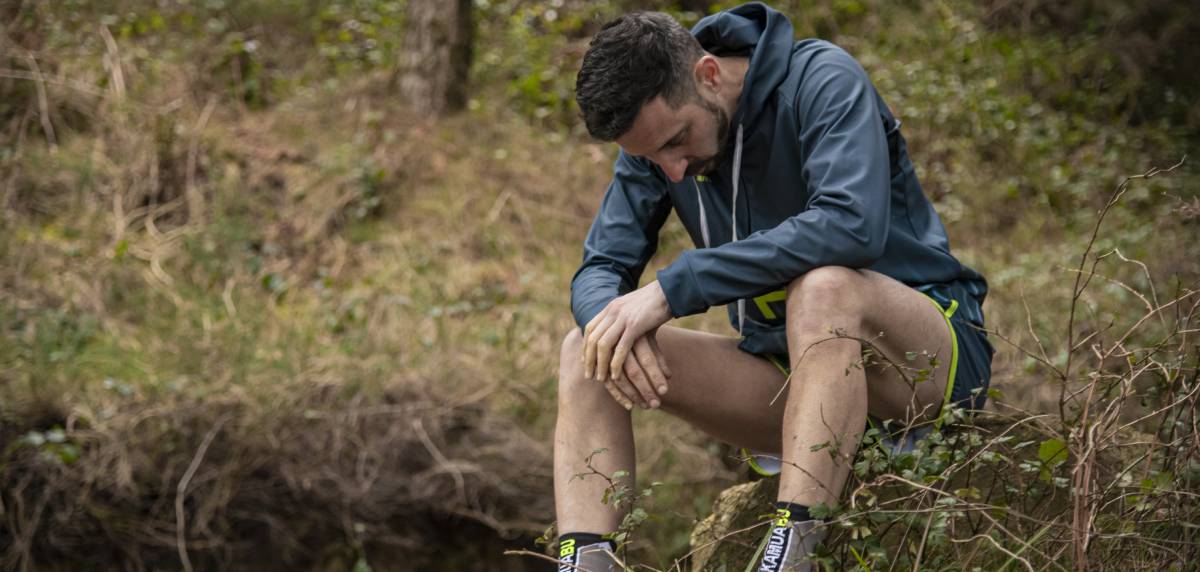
[[826, 405], [588, 420], [826, 411], [827, 396]]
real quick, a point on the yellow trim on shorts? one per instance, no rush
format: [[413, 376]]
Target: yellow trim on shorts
[[785, 370], [946, 313]]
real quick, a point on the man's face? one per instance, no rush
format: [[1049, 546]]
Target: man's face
[[684, 142]]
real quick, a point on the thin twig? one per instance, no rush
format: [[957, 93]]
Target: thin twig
[[112, 57], [998, 546], [195, 200], [181, 493], [43, 101], [452, 468]]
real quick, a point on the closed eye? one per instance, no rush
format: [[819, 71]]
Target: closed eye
[[677, 140]]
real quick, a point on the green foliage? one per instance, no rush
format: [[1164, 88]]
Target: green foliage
[[1051, 453], [1122, 56], [52, 445], [343, 248], [551, 38], [360, 34], [619, 494]]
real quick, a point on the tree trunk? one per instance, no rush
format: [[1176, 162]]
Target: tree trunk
[[436, 55]]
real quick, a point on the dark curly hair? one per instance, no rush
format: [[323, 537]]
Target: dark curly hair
[[634, 59]]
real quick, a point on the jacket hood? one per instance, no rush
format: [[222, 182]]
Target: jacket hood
[[757, 31]]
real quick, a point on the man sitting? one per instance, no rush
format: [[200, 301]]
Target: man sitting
[[790, 174]]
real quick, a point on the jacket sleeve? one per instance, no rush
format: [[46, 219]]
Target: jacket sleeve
[[623, 236], [845, 223]]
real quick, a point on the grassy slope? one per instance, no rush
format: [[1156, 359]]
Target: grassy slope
[[346, 247]]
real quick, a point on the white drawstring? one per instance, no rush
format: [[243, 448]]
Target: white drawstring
[[737, 171], [703, 217]]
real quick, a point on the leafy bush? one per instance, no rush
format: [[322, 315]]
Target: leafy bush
[[218, 210]]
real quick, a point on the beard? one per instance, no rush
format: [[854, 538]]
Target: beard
[[706, 165]]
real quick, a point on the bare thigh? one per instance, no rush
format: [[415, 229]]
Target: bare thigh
[[909, 381], [726, 392], [739, 398]]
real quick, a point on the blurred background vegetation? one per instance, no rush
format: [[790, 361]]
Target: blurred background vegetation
[[257, 312]]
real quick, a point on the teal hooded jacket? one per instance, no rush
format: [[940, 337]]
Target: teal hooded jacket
[[819, 176]]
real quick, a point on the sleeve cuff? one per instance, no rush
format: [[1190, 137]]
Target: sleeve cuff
[[681, 288]]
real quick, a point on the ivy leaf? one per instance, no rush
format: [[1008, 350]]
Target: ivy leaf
[[1052, 452], [821, 511]]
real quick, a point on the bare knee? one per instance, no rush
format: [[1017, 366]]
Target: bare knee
[[572, 343], [570, 364], [825, 294], [825, 287]]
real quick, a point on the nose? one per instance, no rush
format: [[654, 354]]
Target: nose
[[675, 169]]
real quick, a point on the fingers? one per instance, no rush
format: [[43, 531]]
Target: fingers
[[604, 349], [617, 396], [649, 363], [620, 352], [591, 337], [623, 392], [610, 335], [640, 380], [628, 393], [658, 355], [642, 384]]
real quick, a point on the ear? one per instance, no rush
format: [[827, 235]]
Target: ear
[[707, 72]]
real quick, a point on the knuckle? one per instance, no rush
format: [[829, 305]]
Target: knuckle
[[656, 375]]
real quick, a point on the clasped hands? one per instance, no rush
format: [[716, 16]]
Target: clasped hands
[[620, 349]]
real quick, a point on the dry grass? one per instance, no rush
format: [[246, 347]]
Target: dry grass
[[324, 331], [327, 334]]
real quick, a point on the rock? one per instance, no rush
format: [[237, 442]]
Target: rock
[[728, 538]]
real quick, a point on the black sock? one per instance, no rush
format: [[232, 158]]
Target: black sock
[[570, 543], [789, 540], [790, 512]]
